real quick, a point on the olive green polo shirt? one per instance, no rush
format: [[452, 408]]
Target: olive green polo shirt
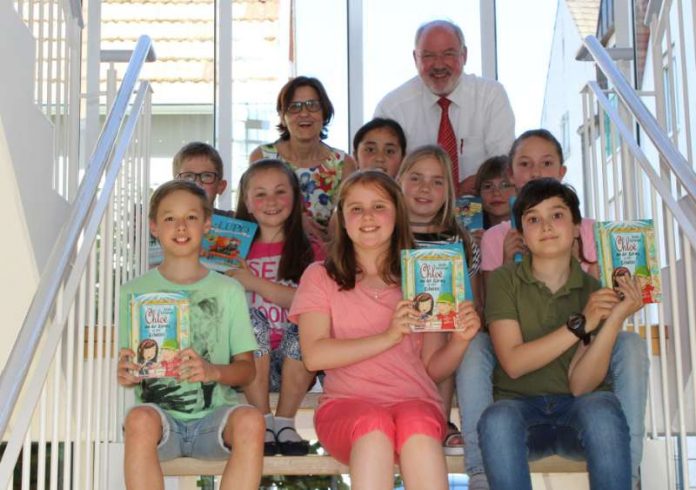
[[513, 293]]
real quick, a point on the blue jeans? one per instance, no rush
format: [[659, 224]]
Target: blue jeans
[[590, 427], [628, 373]]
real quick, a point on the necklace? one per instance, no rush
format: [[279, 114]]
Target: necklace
[[375, 293]]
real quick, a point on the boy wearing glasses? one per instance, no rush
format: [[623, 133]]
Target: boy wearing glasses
[[201, 163]]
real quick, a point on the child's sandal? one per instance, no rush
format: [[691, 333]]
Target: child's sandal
[[292, 448], [270, 448]]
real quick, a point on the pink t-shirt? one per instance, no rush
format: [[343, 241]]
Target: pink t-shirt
[[263, 261], [493, 239], [395, 375]]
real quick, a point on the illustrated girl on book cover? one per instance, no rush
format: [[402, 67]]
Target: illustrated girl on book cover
[[147, 356], [424, 304]]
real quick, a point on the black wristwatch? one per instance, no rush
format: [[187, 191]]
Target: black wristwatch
[[576, 324]]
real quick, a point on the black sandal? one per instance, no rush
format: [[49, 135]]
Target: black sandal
[[270, 448], [292, 448]]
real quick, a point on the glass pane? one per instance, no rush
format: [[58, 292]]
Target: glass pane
[[523, 57], [183, 35], [321, 45], [260, 67], [389, 30]]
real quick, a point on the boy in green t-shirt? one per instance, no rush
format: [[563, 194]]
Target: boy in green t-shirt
[[549, 380], [197, 414]]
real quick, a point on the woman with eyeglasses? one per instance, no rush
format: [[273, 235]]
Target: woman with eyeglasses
[[305, 111]]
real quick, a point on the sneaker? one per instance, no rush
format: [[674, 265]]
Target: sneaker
[[478, 481], [453, 445]]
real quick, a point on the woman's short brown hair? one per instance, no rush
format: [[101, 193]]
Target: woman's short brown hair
[[288, 92]]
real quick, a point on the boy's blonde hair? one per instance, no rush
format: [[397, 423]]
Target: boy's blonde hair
[[178, 185], [197, 149]]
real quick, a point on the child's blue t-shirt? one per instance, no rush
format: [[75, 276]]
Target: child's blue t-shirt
[[219, 329]]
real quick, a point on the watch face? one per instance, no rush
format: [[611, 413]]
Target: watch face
[[576, 322]]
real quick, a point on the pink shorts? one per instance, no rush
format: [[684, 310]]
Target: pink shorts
[[339, 423]]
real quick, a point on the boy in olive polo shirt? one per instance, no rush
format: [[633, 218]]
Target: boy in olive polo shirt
[[550, 373]]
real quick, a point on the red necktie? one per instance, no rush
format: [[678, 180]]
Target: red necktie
[[446, 138]]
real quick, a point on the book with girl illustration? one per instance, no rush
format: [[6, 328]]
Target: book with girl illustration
[[228, 240], [628, 248], [159, 329], [435, 280], [469, 212]]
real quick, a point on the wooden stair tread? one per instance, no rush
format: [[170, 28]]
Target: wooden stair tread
[[326, 465]]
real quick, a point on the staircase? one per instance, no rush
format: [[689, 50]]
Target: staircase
[[71, 248]]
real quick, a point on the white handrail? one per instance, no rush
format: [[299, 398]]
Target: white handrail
[[685, 216], [14, 374], [647, 121]]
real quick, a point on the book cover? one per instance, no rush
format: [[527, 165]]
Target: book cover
[[228, 240], [629, 248], [159, 330], [469, 212], [434, 279]]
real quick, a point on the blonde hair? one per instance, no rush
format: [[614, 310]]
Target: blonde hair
[[178, 185], [445, 218]]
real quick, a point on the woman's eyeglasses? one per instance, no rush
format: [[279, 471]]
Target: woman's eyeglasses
[[202, 177], [312, 105]]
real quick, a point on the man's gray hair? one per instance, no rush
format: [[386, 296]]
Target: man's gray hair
[[441, 23]]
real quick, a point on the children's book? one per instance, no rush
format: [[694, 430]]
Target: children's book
[[434, 279], [228, 240], [159, 330], [470, 212], [628, 248]]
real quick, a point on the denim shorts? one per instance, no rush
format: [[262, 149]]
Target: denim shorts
[[200, 439]]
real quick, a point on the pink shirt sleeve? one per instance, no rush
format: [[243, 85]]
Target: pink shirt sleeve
[[589, 249], [312, 294], [492, 246]]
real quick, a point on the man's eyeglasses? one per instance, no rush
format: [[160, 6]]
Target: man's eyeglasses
[[446, 56], [502, 187], [312, 105], [202, 177]]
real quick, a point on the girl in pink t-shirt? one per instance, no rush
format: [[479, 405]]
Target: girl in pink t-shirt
[[270, 196], [380, 401]]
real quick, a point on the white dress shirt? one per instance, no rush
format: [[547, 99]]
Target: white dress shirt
[[480, 113]]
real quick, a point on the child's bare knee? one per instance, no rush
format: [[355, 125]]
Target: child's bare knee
[[143, 422], [245, 424]]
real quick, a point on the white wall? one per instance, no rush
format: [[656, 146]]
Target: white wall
[[565, 78], [32, 212]]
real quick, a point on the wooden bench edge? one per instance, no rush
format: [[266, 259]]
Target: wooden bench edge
[[326, 465]]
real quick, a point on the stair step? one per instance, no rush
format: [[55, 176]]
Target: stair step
[[326, 465]]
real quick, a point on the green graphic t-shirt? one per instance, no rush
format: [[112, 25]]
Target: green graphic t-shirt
[[220, 329]]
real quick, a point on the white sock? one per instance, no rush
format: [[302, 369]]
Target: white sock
[[270, 423], [286, 435]]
